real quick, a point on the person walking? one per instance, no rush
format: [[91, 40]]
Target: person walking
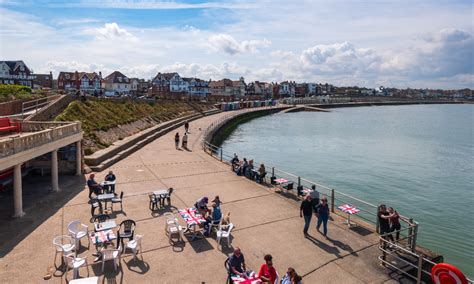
[[322, 211], [176, 140], [306, 211], [186, 127], [185, 141]]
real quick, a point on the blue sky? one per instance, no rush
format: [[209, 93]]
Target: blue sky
[[369, 43]]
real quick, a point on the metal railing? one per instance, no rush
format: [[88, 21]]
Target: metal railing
[[411, 264], [37, 104], [368, 211]]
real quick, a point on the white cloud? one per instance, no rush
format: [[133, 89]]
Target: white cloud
[[226, 43], [112, 31]]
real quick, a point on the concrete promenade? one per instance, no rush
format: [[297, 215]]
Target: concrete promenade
[[266, 222]]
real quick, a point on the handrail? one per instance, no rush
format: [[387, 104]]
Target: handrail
[[36, 104]]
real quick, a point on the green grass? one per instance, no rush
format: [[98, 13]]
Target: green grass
[[14, 92], [103, 114]]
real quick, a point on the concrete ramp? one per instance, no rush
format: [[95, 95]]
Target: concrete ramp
[[304, 108]]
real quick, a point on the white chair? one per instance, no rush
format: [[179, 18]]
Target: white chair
[[111, 254], [225, 234], [135, 245], [75, 263], [170, 220], [174, 229], [77, 230], [215, 225], [64, 245]]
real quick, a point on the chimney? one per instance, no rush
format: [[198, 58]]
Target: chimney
[[100, 75]]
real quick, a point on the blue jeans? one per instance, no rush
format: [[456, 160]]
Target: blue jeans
[[307, 222], [324, 220]]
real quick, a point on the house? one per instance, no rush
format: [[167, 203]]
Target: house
[[227, 87], [43, 81], [16, 73], [81, 81], [168, 83], [287, 88], [197, 87], [117, 82], [312, 89]]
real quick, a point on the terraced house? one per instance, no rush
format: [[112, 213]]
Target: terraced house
[[81, 81], [197, 87]]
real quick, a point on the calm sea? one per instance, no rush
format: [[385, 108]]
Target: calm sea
[[418, 159]]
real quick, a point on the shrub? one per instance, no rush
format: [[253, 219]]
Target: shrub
[[12, 92]]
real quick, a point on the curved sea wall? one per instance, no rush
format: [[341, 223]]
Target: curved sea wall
[[222, 129]]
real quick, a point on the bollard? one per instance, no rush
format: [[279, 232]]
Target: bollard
[[273, 171], [221, 154], [332, 200], [299, 181]]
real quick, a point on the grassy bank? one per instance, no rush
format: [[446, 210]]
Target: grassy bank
[[17, 92], [105, 121]]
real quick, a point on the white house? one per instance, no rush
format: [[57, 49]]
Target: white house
[[117, 82], [197, 87]]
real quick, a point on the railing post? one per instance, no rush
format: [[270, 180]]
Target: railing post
[[420, 269], [299, 181], [410, 232], [332, 200], [413, 240], [221, 154], [273, 171]]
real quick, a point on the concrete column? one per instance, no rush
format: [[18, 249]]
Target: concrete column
[[78, 158], [54, 170], [17, 192]]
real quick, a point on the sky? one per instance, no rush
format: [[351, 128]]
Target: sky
[[391, 43]]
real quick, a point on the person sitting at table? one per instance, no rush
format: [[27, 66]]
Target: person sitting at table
[[267, 272], [291, 277], [249, 172], [94, 187], [237, 263], [235, 162], [214, 218], [217, 201], [201, 206], [261, 173], [110, 177]]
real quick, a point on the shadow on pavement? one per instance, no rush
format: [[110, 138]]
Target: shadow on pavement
[[39, 203]]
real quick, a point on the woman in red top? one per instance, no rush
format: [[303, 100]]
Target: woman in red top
[[394, 219], [267, 272]]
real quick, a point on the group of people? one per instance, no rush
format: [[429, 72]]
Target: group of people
[[389, 222], [212, 216], [246, 168], [96, 188], [267, 272], [312, 203], [184, 139]]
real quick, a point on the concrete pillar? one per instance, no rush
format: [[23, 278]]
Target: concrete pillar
[[54, 170], [78, 158], [17, 192]]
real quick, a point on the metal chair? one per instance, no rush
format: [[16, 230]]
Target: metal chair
[[153, 202], [126, 230]]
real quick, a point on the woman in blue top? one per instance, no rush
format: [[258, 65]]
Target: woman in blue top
[[322, 212]]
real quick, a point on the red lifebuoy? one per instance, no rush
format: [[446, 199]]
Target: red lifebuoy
[[443, 273]]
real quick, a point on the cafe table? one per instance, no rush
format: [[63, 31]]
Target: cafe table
[[88, 280], [192, 219], [102, 226], [350, 210]]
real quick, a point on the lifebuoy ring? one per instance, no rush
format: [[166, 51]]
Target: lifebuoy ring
[[443, 273]]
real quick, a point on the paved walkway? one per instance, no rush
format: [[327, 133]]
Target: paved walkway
[[266, 222]]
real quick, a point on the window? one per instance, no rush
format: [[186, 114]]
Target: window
[[85, 82]]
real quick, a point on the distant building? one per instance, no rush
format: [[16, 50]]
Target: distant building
[[83, 81], [117, 82], [197, 87], [227, 87], [287, 88], [16, 73], [43, 81]]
